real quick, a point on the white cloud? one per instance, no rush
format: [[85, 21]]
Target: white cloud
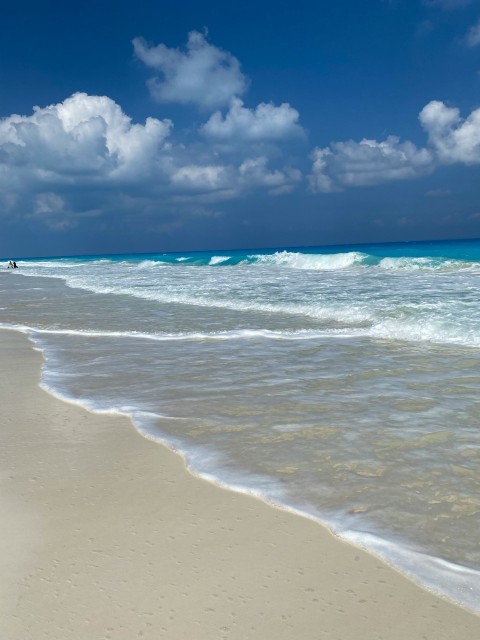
[[265, 123], [204, 75], [472, 39], [85, 156], [319, 180], [83, 139], [202, 178], [64, 161], [452, 139], [221, 182], [254, 172], [368, 162]]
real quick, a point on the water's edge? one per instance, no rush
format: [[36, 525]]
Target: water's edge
[[377, 547]]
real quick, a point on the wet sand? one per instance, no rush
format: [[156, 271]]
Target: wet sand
[[106, 535]]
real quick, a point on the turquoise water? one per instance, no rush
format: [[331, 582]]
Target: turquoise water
[[464, 250], [340, 382]]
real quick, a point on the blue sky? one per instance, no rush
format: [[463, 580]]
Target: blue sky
[[156, 126]]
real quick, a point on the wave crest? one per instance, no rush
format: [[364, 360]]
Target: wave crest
[[313, 261], [425, 263], [218, 260]]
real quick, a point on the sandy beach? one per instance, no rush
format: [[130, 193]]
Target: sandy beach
[[106, 535]]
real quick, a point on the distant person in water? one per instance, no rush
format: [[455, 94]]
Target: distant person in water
[[15, 265], [10, 265]]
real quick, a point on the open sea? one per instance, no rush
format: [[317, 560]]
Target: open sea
[[338, 382]]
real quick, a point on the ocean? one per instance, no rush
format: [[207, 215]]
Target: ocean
[[339, 382]]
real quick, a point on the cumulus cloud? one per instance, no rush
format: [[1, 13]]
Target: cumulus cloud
[[63, 162], [84, 157], [368, 162], [204, 75], [85, 138], [452, 139], [265, 123]]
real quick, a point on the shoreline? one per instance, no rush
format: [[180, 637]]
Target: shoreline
[[461, 580], [107, 534]]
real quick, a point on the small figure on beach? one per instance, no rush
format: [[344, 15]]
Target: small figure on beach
[[15, 265], [10, 265]]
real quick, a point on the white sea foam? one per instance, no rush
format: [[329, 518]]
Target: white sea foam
[[48, 264], [147, 264], [218, 260], [288, 259], [407, 263], [242, 334], [346, 313], [426, 264], [453, 581], [321, 262], [337, 313], [341, 261], [398, 310], [434, 330]]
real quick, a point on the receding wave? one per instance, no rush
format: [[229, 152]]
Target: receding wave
[[241, 334], [343, 313], [433, 332]]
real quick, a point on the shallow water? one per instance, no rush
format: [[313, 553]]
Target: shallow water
[[343, 385]]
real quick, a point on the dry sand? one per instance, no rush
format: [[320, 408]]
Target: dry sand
[[106, 535]]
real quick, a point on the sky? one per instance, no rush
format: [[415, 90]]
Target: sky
[[155, 126]]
